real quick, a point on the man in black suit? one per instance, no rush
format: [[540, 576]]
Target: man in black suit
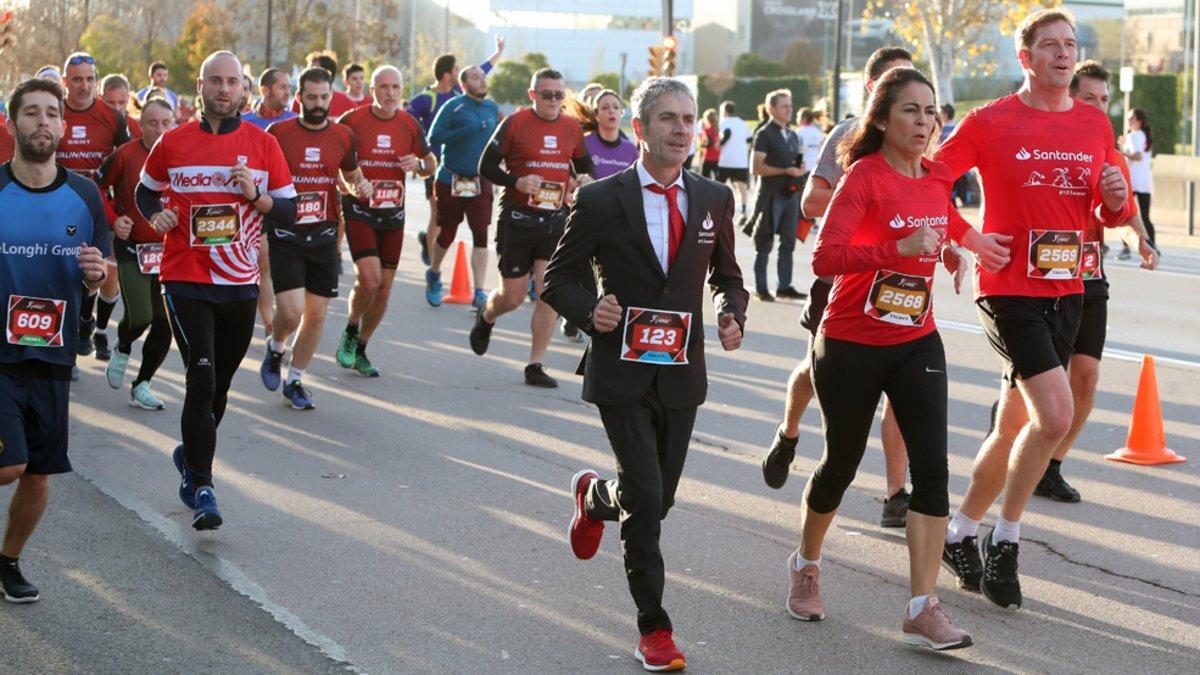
[[655, 233]]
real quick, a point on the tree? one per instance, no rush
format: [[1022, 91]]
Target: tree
[[608, 81], [107, 40], [206, 29], [803, 58], [750, 64], [950, 32], [509, 82]]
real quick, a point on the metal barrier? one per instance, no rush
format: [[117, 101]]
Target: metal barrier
[[1175, 179]]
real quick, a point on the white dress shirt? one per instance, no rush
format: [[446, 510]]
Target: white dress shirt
[[658, 212]]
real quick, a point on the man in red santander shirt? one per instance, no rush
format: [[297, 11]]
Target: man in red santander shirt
[[304, 257], [390, 145], [544, 162], [208, 185], [1043, 159]]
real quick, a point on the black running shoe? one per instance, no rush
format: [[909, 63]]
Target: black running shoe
[[423, 240], [16, 588], [481, 335], [962, 560], [1053, 485], [790, 293], [895, 510], [764, 296], [1000, 583], [86, 328], [779, 459], [535, 376], [100, 340]]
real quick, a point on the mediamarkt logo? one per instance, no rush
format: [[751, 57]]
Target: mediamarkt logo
[[191, 180], [1054, 155], [919, 221]]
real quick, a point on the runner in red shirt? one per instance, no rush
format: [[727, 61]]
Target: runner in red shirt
[[889, 219], [7, 146], [1042, 158], [207, 185], [544, 162], [355, 79], [304, 257], [340, 103], [114, 91], [93, 131], [390, 145], [138, 249]]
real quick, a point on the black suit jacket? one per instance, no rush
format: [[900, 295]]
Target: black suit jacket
[[607, 228]]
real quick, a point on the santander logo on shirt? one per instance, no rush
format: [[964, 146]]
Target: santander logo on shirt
[[1054, 155], [900, 222]]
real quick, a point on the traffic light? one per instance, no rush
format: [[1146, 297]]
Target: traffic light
[[7, 39], [670, 50], [657, 60]]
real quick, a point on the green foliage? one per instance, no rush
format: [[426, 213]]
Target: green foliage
[[747, 93], [509, 82], [608, 81], [753, 65], [107, 39], [1158, 96], [207, 28]]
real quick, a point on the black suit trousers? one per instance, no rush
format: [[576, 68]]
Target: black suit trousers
[[650, 442]]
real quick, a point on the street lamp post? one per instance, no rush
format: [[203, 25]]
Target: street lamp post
[[270, 13], [837, 61]]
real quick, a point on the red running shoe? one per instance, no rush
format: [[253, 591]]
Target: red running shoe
[[657, 651], [585, 533]]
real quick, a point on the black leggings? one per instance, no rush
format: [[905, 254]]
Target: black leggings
[[212, 338], [142, 295], [1143, 201], [849, 378]]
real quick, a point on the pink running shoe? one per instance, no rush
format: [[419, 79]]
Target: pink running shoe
[[804, 597], [932, 628]]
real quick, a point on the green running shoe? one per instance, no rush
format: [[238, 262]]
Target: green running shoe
[[346, 348], [362, 366]]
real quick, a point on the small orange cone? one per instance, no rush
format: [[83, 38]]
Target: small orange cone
[[460, 287], [1146, 444]]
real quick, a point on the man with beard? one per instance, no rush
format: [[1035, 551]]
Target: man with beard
[[304, 257], [55, 240], [207, 185], [462, 127], [275, 89]]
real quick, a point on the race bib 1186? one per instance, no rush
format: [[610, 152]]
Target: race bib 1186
[[34, 322], [387, 194], [656, 336]]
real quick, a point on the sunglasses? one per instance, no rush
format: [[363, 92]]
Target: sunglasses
[[548, 95], [81, 58]]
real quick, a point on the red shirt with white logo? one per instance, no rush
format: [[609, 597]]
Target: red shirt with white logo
[[531, 145], [121, 173], [216, 241], [1041, 173], [878, 297], [381, 143], [314, 157], [91, 135]]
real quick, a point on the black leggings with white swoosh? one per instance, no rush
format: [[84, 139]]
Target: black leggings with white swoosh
[[849, 378]]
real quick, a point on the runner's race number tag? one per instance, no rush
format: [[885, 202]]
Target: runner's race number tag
[[1054, 254], [149, 257], [902, 299], [216, 224], [464, 187], [35, 322], [1091, 267], [386, 194], [656, 336], [311, 208], [549, 196]]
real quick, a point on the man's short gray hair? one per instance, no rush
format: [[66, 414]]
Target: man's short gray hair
[[653, 88]]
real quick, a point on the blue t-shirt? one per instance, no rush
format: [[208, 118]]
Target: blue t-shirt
[[41, 233], [463, 127], [263, 122]]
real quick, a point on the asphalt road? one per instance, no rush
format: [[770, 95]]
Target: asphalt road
[[417, 521]]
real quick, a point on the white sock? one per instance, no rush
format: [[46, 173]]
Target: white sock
[[295, 374], [108, 300], [960, 528], [1006, 531], [801, 562], [277, 347], [916, 605]]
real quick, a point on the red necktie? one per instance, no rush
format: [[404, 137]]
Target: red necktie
[[675, 218]]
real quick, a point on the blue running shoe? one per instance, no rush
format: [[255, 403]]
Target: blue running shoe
[[533, 294], [297, 396], [207, 517], [187, 483], [433, 288], [479, 301], [271, 365], [423, 240]]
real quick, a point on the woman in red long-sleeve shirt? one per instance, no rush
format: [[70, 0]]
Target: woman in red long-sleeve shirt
[[887, 226]]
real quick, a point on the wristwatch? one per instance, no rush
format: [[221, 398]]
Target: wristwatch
[[257, 195]]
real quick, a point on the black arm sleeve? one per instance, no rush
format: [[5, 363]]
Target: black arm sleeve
[[489, 161], [122, 136], [725, 136], [584, 165], [283, 211], [147, 201]]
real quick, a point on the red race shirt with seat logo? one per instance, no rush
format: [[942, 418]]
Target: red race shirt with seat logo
[[90, 136], [1041, 173], [382, 142], [191, 168], [121, 173], [314, 158], [531, 145]]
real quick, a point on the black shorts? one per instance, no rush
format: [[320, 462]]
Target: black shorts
[[1093, 327], [33, 421], [708, 168], [313, 268], [522, 238], [725, 174], [814, 307], [1031, 335], [429, 188]]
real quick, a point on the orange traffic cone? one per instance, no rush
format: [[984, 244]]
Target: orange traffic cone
[[460, 287], [1146, 443]]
